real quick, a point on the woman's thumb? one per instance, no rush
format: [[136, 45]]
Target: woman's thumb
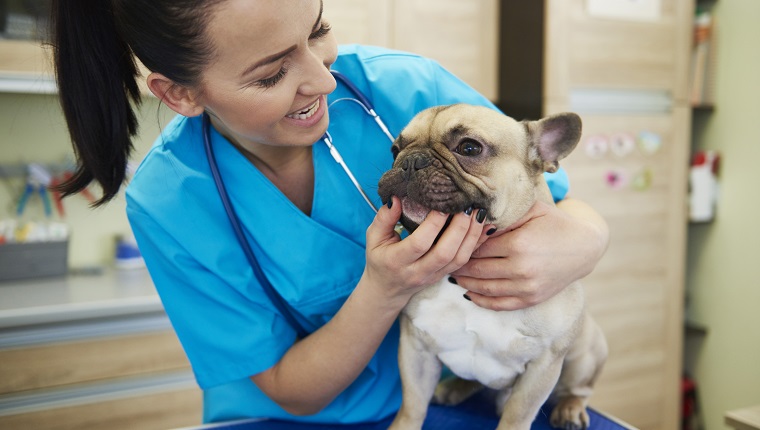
[[385, 221]]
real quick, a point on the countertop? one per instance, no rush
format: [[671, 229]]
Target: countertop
[[744, 419], [77, 297]]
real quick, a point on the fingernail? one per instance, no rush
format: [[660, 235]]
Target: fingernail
[[468, 211], [467, 297], [390, 203], [491, 231], [452, 280], [481, 216]]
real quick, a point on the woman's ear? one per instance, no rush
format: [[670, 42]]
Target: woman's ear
[[180, 99]]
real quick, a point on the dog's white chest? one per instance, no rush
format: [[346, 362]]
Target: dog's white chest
[[475, 343]]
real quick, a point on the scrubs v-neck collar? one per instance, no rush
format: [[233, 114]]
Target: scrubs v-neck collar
[[313, 261]]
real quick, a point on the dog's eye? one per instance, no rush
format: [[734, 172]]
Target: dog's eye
[[468, 148], [395, 151]]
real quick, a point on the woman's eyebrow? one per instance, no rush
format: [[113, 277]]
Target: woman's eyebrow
[[268, 60], [274, 57]]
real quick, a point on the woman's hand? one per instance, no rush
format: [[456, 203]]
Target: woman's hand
[[320, 366], [401, 268], [528, 263]]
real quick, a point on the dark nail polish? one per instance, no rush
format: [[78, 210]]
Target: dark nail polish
[[452, 280], [481, 216], [390, 203], [467, 297], [468, 211], [491, 231]]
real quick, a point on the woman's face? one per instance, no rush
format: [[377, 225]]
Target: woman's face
[[268, 81]]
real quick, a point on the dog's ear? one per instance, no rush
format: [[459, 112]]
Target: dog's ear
[[553, 138]]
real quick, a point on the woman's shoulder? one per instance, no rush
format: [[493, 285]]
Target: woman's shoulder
[[375, 60], [372, 53], [401, 84], [175, 158]]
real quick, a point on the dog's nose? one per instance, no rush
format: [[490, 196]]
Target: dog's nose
[[414, 163]]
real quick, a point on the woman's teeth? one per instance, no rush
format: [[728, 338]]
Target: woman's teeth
[[306, 113]]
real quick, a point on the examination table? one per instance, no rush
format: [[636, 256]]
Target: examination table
[[471, 415]]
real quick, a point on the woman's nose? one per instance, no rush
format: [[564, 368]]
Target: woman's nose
[[318, 79]]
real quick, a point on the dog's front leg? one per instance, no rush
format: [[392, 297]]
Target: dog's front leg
[[530, 391], [420, 371]]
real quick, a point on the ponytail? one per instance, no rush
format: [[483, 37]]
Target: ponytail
[[96, 75], [94, 46]]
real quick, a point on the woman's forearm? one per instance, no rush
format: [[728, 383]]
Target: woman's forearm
[[318, 368]]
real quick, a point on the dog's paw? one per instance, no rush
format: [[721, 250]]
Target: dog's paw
[[453, 391], [570, 414]]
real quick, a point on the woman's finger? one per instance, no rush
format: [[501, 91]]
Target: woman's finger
[[471, 241], [487, 268], [382, 228], [422, 239]]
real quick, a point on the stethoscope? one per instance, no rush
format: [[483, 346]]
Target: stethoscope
[[237, 228]]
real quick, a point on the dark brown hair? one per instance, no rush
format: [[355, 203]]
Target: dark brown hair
[[94, 45]]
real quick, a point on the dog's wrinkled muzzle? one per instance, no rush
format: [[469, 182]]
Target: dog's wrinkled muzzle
[[423, 183]]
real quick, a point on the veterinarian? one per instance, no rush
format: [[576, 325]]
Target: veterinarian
[[259, 70]]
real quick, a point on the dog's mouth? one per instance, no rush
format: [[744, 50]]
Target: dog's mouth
[[427, 187], [414, 211]]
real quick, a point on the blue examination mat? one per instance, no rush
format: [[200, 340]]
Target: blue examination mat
[[473, 414]]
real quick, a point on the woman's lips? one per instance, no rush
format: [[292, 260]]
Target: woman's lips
[[306, 113]]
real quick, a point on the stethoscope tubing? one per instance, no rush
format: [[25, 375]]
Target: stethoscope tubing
[[258, 272]]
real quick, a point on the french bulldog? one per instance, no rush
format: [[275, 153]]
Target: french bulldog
[[449, 159]]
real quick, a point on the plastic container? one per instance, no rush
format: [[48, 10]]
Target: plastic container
[[33, 260]]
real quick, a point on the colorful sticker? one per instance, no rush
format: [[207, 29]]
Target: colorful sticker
[[621, 144], [617, 179], [642, 181], [649, 142], [596, 146]]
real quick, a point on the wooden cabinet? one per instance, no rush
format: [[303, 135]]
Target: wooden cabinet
[[25, 66], [628, 80], [141, 380], [460, 35], [92, 351]]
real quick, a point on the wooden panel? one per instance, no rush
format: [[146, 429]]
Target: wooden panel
[[365, 22], [75, 362], [590, 52], [153, 412], [461, 35], [636, 292], [18, 57]]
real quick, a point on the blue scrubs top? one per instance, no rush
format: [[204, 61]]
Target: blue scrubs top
[[225, 322]]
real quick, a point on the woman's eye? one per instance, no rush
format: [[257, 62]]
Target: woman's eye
[[468, 148], [322, 31], [273, 80]]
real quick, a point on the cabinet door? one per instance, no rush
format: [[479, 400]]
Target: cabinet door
[[366, 22], [636, 291], [585, 51], [461, 35]]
